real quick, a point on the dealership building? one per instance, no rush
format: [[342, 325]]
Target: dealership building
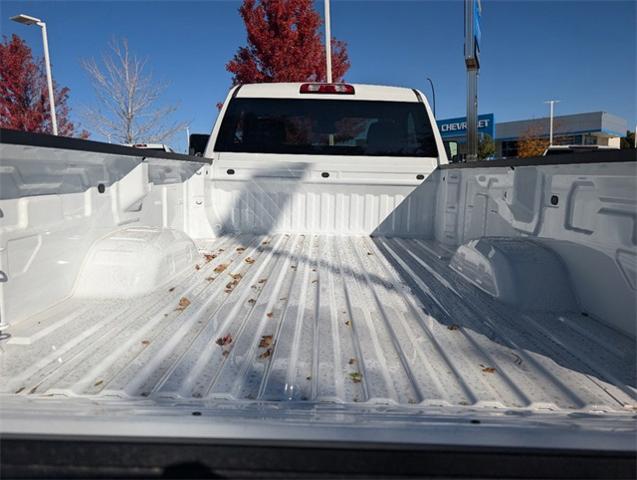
[[593, 128]]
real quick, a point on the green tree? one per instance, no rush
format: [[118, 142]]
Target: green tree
[[629, 140], [486, 147]]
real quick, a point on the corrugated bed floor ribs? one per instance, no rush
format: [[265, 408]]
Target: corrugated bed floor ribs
[[308, 318]]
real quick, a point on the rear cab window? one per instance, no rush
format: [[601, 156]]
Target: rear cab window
[[327, 127]]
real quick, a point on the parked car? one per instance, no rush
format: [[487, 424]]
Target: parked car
[[567, 149], [153, 146]]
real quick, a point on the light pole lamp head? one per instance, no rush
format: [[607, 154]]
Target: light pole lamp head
[[26, 19]]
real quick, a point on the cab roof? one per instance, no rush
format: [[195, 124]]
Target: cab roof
[[361, 92]]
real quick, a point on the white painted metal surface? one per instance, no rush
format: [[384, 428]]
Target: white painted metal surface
[[134, 261], [321, 319], [318, 305]]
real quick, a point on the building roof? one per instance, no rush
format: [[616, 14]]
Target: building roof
[[592, 122]]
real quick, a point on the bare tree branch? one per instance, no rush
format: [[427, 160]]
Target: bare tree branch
[[127, 109]]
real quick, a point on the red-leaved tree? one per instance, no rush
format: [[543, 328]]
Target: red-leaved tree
[[284, 44], [24, 97]]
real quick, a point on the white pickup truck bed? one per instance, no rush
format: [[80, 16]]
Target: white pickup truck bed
[[310, 318], [337, 286]]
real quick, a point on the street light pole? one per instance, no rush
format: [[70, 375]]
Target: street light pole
[[472, 12], [328, 42], [551, 103], [433, 95], [27, 20]]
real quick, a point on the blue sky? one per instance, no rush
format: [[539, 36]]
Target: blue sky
[[580, 52]]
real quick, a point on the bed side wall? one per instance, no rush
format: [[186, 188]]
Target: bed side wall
[[586, 212], [56, 203]]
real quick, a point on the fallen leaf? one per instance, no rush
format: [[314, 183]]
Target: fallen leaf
[[370, 253], [266, 354], [356, 377], [269, 314], [347, 322], [197, 267], [352, 361], [220, 268], [263, 280], [240, 249], [235, 281], [487, 369], [221, 250], [145, 342], [171, 289], [452, 327], [266, 341], [98, 383], [183, 303], [265, 243], [210, 279], [209, 257], [225, 340], [252, 301], [249, 260]]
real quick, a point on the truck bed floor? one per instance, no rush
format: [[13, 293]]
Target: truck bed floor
[[306, 318]]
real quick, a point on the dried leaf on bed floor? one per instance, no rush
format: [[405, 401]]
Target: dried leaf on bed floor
[[225, 340], [266, 341], [183, 303]]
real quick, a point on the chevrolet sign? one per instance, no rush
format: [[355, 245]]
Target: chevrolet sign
[[457, 127]]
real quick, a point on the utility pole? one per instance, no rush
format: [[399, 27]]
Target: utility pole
[[551, 103], [328, 43], [472, 35]]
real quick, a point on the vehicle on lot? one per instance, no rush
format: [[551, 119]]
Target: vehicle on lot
[[162, 147], [321, 289], [567, 149]]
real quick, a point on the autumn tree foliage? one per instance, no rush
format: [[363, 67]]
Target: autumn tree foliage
[[284, 44], [532, 144], [24, 97]]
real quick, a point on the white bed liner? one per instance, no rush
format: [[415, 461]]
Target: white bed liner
[[306, 320]]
